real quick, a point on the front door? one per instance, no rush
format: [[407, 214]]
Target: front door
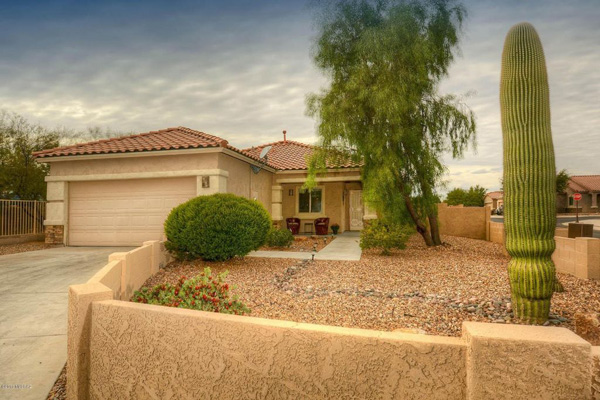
[[356, 210]]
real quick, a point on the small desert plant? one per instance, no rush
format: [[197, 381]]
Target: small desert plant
[[385, 236], [335, 228], [204, 292], [216, 227], [279, 238]]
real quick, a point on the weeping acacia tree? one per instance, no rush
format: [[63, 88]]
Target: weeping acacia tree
[[385, 60]]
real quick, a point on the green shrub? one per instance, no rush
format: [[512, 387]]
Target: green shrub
[[280, 238], [204, 292], [385, 236], [216, 227]]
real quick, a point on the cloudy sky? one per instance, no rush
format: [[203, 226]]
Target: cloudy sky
[[241, 69]]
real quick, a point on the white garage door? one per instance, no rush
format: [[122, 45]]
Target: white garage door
[[123, 212]]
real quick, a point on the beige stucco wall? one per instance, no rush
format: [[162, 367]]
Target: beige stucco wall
[[496, 232], [526, 362], [230, 357], [283, 177], [225, 173], [579, 257], [119, 165], [243, 182], [469, 222], [118, 279], [596, 372]]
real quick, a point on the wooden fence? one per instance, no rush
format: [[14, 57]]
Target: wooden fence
[[22, 217]]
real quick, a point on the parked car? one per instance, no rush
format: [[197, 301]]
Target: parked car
[[500, 210]]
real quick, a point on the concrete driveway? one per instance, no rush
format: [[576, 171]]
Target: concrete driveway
[[33, 314]]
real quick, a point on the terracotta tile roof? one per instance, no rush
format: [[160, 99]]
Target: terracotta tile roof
[[585, 183], [166, 139], [291, 155], [495, 195]]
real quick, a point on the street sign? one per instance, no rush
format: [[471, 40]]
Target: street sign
[[577, 197]]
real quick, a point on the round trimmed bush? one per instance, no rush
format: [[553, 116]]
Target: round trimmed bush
[[216, 227], [280, 238]]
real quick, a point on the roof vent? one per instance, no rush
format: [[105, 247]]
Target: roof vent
[[284, 137]]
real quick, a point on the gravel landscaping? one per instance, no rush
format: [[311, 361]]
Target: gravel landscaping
[[430, 290], [420, 289], [59, 390], [304, 244], [23, 247]]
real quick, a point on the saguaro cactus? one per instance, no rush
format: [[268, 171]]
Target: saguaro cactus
[[529, 173]]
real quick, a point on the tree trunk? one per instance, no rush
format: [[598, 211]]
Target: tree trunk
[[435, 230], [421, 227]]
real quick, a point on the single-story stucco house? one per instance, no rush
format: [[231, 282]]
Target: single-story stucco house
[[119, 191], [494, 199], [589, 188]]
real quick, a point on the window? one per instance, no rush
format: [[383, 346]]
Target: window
[[310, 201], [571, 201]]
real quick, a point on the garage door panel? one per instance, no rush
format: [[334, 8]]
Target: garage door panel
[[124, 212]]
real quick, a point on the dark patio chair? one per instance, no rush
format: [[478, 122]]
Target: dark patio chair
[[321, 226], [293, 224]]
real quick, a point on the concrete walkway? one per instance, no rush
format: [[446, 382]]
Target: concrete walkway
[[344, 248], [33, 315]]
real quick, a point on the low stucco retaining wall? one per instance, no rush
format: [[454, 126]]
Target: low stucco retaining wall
[[230, 357], [120, 349], [124, 273], [469, 222], [579, 257]]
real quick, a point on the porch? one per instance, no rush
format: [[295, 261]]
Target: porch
[[337, 196]]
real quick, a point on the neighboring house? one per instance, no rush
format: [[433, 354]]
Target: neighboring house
[[493, 200], [588, 186], [119, 191]]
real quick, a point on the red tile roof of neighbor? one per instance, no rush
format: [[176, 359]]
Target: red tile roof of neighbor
[[495, 195], [284, 155], [585, 183], [291, 155], [166, 139]]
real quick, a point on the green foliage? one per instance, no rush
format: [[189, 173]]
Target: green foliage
[[562, 181], [378, 234], [474, 197], [279, 238], [385, 61], [20, 176], [204, 292], [529, 173], [216, 227]]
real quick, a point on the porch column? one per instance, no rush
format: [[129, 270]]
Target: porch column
[[55, 224], [276, 203], [594, 200]]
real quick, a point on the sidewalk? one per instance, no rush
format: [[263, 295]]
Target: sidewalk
[[344, 248]]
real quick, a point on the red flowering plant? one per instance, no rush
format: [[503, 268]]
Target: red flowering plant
[[204, 292]]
